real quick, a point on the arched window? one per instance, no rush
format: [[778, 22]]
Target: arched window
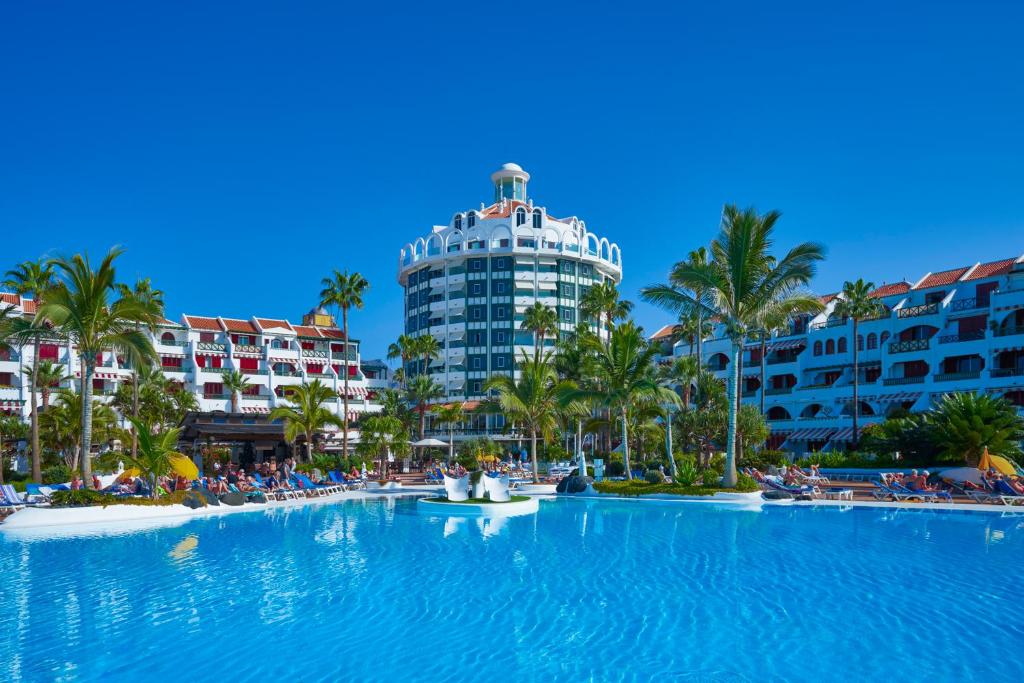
[[536, 219], [830, 347], [471, 219], [860, 342], [278, 344], [842, 345], [458, 222], [881, 340], [817, 348], [872, 341], [167, 338], [520, 216]]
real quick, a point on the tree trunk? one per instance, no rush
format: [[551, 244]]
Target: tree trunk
[[700, 331], [856, 383], [135, 408], [234, 401], [37, 472], [88, 369], [668, 445], [625, 446], [763, 349], [2, 463], [729, 477], [309, 447], [581, 457], [344, 369], [533, 455]]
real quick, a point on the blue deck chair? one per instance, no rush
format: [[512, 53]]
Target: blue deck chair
[[1006, 494]]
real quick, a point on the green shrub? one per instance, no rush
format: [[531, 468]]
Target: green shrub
[[89, 497], [467, 460], [614, 469], [56, 474], [763, 459], [642, 488], [654, 477], [687, 473]]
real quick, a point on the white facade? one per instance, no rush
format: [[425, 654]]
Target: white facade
[[469, 282], [274, 354], [959, 330]]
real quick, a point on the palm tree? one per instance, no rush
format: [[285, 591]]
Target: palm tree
[[381, 434], [48, 377], [60, 426], [689, 301], [450, 414], [681, 372], [428, 348], [542, 321], [11, 428], [776, 318], [145, 294], [420, 391], [536, 400], [307, 415], [746, 283], [964, 425], [856, 302], [32, 279], [626, 366], [403, 348], [156, 453], [80, 307], [602, 301], [235, 383], [345, 291]]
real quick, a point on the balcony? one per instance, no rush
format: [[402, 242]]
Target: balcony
[[749, 393], [322, 375], [895, 381], [247, 348], [776, 391], [314, 353], [968, 304], [831, 322], [820, 385], [909, 345], [962, 337], [1009, 330], [172, 342], [210, 346], [218, 371], [214, 397], [917, 311], [256, 397], [1006, 372], [342, 355], [777, 361], [288, 373], [955, 376]]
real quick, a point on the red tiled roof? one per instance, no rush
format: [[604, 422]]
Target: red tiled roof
[[236, 325], [945, 277], [991, 269], [29, 305], [826, 298], [331, 332], [10, 299], [890, 289], [306, 331], [665, 332], [273, 322], [499, 211], [199, 323]]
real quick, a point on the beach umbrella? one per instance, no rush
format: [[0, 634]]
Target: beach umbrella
[[184, 467], [996, 462], [429, 443], [961, 474]]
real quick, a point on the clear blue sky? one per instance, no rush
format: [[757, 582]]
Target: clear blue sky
[[240, 151]]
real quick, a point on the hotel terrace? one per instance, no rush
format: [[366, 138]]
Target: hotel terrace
[[958, 330], [195, 353]]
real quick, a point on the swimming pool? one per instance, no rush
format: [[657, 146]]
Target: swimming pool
[[581, 591]]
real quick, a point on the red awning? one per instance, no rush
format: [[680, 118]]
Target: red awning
[[812, 434]]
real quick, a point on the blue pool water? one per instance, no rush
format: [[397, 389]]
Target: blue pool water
[[581, 591]]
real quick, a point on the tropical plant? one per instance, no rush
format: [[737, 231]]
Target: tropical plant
[[345, 291], [307, 415], [692, 301], [393, 404], [234, 383], [380, 435], [47, 377], [450, 414], [60, 425], [746, 283], [626, 366], [535, 400], [966, 424], [420, 391], [153, 299], [428, 348], [542, 321], [404, 348], [856, 302], [32, 279], [161, 402], [602, 302], [773, 319], [751, 430], [155, 455], [11, 428], [79, 305]]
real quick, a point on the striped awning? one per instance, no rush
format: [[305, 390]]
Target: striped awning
[[11, 405], [100, 375], [812, 434], [259, 410], [1001, 349], [283, 360], [900, 397], [778, 345], [844, 434], [1001, 390], [861, 397], [249, 354], [355, 392], [171, 354]]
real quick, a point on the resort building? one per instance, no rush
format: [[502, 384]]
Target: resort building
[[958, 330], [469, 282], [194, 354]]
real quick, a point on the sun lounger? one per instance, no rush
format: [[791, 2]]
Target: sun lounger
[[327, 489], [9, 498], [779, 485], [350, 484], [1005, 493]]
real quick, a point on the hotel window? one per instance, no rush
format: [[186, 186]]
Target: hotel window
[[501, 361], [817, 348], [499, 264], [476, 264], [470, 220], [476, 314], [536, 219], [520, 216], [499, 287], [475, 288], [458, 222], [872, 341], [830, 347], [499, 337], [842, 345], [501, 313], [881, 340], [860, 342], [478, 363], [476, 387]]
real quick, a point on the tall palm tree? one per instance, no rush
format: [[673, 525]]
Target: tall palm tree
[[403, 348], [535, 400], [450, 414], [681, 372], [856, 302], [80, 306], [60, 426], [32, 279], [307, 415], [345, 291], [602, 301], [689, 301], [573, 361], [420, 391], [626, 365], [428, 348], [542, 321], [146, 294], [235, 383], [776, 318], [48, 377], [381, 434], [746, 282]]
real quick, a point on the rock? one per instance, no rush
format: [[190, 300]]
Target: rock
[[772, 494], [573, 484], [193, 500], [232, 498], [210, 498], [258, 498]]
